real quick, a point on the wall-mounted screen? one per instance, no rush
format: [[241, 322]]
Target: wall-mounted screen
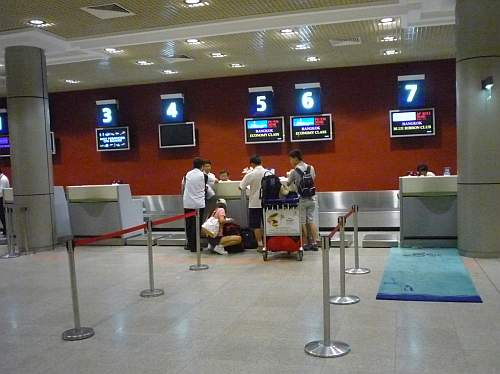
[[411, 91], [4, 146], [177, 135], [172, 108], [52, 143], [418, 122], [4, 123], [112, 139], [107, 113], [264, 130], [261, 101], [311, 128]]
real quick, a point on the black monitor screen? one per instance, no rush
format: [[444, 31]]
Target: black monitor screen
[[264, 130], [405, 123], [311, 128], [177, 135], [112, 139]]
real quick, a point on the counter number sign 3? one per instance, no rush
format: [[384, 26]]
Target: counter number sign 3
[[107, 113]]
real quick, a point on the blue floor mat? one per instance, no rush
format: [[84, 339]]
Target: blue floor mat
[[436, 274]]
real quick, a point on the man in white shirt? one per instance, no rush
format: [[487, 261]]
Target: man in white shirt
[[254, 180], [193, 198], [4, 183]]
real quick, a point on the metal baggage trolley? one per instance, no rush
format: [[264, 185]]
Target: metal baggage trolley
[[282, 218]]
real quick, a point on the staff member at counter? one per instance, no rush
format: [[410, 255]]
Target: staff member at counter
[[194, 198], [254, 179], [423, 171]]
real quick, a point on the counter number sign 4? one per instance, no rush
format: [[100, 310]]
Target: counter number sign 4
[[107, 113], [172, 108], [308, 98], [261, 101]]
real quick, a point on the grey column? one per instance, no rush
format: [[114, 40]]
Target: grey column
[[31, 158], [478, 124]]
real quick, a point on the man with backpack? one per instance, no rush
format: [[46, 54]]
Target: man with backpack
[[254, 180], [302, 177]]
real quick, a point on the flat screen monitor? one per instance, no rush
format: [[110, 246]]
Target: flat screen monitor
[[406, 123], [52, 143], [264, 130], [112, 139], [177, 135], [311, 128]]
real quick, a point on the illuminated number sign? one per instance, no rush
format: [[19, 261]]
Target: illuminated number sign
[[308, 98], [107, 113], [114, 139], [411, 91], [264, 130], [418, 122], [261, 101], [4, 125], [172, 108], [311, 128]]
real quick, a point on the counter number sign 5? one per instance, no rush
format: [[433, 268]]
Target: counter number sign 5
[[411, 91], [260, 101], [172, 108], [308, 98], [107, 113]]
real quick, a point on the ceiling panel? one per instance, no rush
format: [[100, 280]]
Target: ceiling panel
[[72, 22]]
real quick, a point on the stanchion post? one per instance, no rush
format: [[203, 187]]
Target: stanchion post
[[356, 270], [152, 291], [9, 235], [343, 299], [78, 332], [326, 348], [199, 265]]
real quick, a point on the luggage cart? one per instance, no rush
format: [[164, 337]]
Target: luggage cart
[[282, 218]]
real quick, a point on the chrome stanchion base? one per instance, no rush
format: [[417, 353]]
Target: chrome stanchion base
[[357, 271], [344, 300], [78, 334], [319, 349], [198, 267], [152, 293], [7, 256]]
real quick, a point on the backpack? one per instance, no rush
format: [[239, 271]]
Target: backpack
[[306, 186], [270, 187], [231, 229], [248, 239]]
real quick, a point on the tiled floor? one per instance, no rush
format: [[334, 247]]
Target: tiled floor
[[240, 316]]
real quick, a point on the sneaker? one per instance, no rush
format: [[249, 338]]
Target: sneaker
[[220, 250], [260, 249]]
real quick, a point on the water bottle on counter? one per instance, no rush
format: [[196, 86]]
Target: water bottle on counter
[[447, 171]]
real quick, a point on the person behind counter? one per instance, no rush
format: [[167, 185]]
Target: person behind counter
[[423, 171], [194, 190], [220, 242], [207, 169], [302, 178], [254, 180], [224, 176]]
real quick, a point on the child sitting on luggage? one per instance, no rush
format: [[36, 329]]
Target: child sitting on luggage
[[218, 243]]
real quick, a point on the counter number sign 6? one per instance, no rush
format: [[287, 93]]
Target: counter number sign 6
[[308, 100]]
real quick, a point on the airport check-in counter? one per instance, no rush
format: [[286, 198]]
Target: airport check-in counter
[[97, 210], [428, 211]]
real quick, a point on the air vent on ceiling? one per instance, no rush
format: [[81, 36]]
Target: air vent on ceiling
[[108, 11], [178, 58], [343, 42]]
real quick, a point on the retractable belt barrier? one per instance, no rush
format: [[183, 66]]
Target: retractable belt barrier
[[79, 332], [327, 347]]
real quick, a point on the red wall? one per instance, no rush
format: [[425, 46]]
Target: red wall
[[361, 157]]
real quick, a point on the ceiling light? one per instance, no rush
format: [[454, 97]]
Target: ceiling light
[[391, 52], [169, 72], [71, 81], [39, 23], [287, 31], [299, 47], [144, 62], [237, 65], [113, 51], [193, 41], [386, 20], [389, 38], [312, 59], [217, 55], [196, 3]]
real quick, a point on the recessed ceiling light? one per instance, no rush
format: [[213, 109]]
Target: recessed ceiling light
[[113, 51], [386, 20], [193, 41], [299, 47], [196, 3], [237, 66], [391, 52], [36, 22], [71, 81], [312, 59], [169, 72], [389, 38], [287, 31], [144, 62], [217, 55]]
